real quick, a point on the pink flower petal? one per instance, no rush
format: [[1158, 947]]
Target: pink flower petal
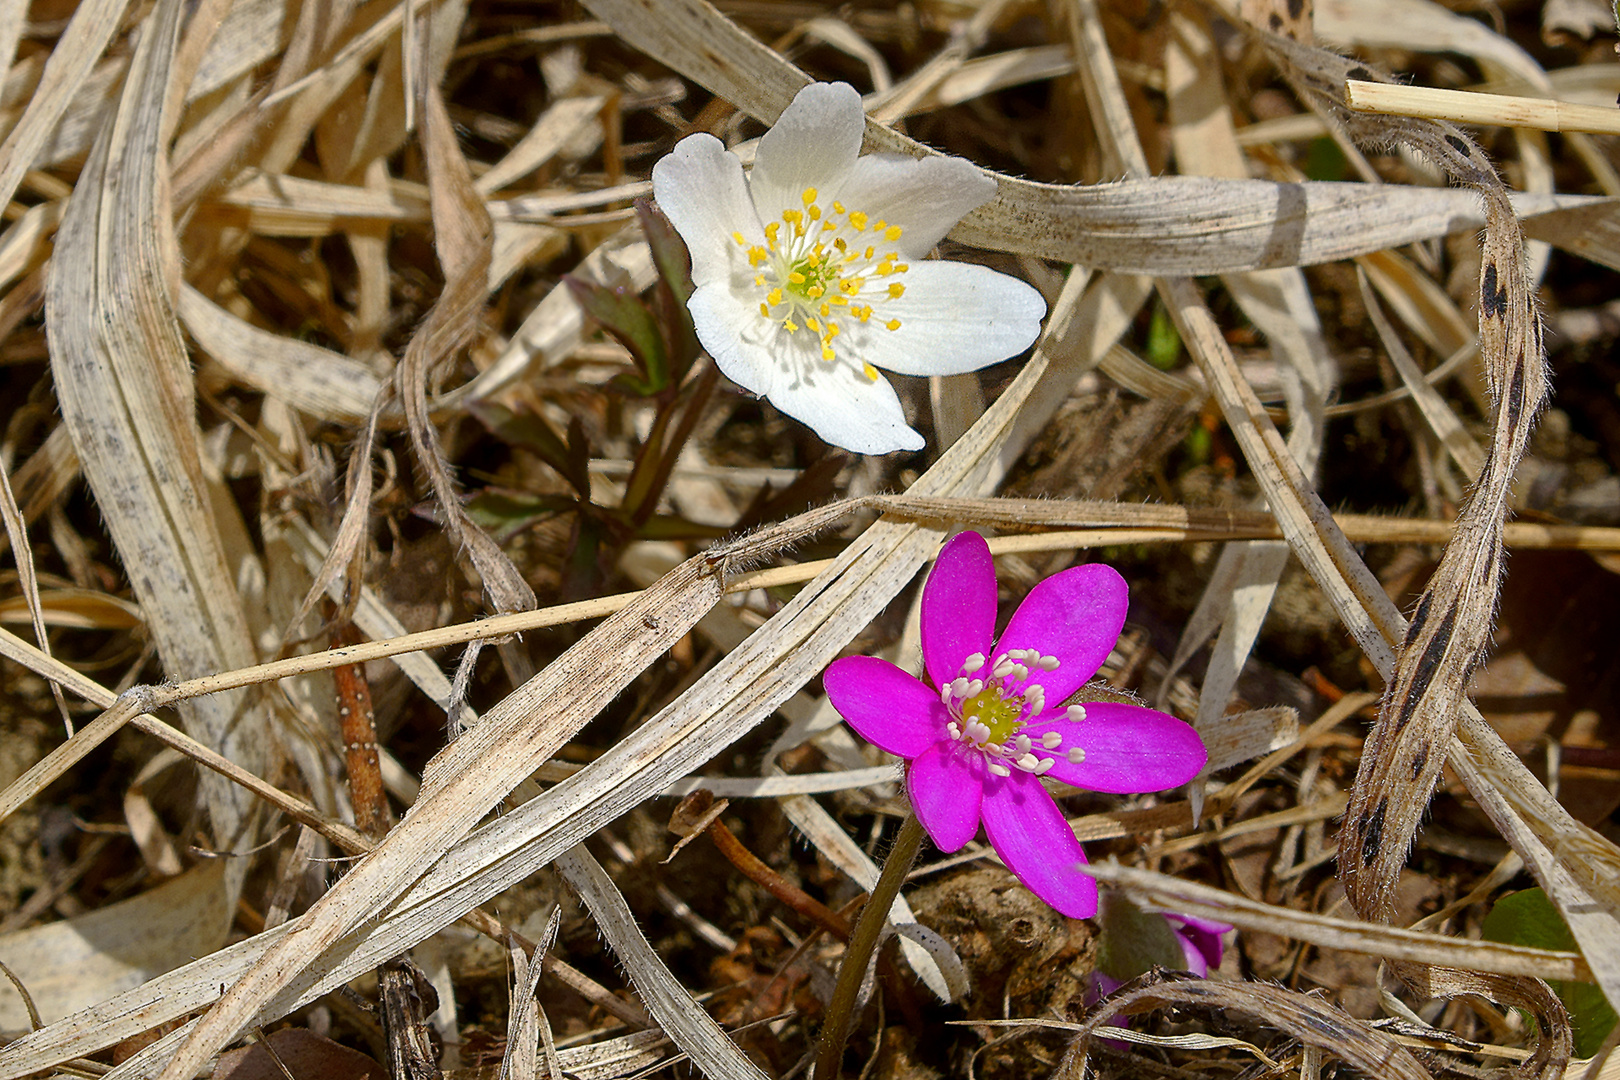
[[1075, 616], [1128, 749], [958, 606], [946, 785], [890, 709], [1030, 833], [1200, 938]]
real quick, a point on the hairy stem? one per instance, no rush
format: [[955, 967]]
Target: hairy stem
[[862, 944]]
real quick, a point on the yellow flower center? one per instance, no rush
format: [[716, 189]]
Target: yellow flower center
[[821, 270], [995, 710], [989, 718]]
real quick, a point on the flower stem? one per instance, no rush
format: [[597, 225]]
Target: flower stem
[[862, 944]]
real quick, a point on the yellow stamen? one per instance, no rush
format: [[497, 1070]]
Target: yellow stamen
[[869, 371], [892, 324], [892, 234], [896, 291], [771, 230], [790, 326], [827, 354], [809, 196], [764, 309], [858, 220], [774, 297], [826, 309], [797, 278], [814, 212], [741, 242]]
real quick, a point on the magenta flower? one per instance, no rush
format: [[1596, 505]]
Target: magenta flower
[[978, 745]]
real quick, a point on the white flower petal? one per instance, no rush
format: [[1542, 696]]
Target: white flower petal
[[699, 186], [846, 408], [813, 144], [742, 344], [925, 198], [835, 400], [954, 317]]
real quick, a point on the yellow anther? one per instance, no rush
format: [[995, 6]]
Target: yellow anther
[[880, 226], [741, 242], [759, 281], [869, 371], [774, 297], [797, 278], [862, 313], [790, 326], [838, 207], [826, 309], [814, 212], [828, 226], [793, 217], [827, 354], [858, 220], [809, 196], [896, 291], [757, 255], [833, 330], [892, 234], [771, 230], [869, 251], [815, 292], [838, 242], [902, 267], [838, 301], [764, 309], [813, 324], [892, 324]]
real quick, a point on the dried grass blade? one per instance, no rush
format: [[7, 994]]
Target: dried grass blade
[[1349, 935], [124, 383], [93, 25], [1310, 1020], [1153, 225], [464, 236], [693, 1030]]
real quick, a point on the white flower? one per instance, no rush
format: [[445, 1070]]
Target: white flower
[[809, 273]]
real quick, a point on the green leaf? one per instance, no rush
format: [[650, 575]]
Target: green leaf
[[1163, 341], [504, 513], [621, 313], [531, 431], [1529, 918], [1132, 941]]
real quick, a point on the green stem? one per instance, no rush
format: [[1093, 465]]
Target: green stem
[[862, 944]]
